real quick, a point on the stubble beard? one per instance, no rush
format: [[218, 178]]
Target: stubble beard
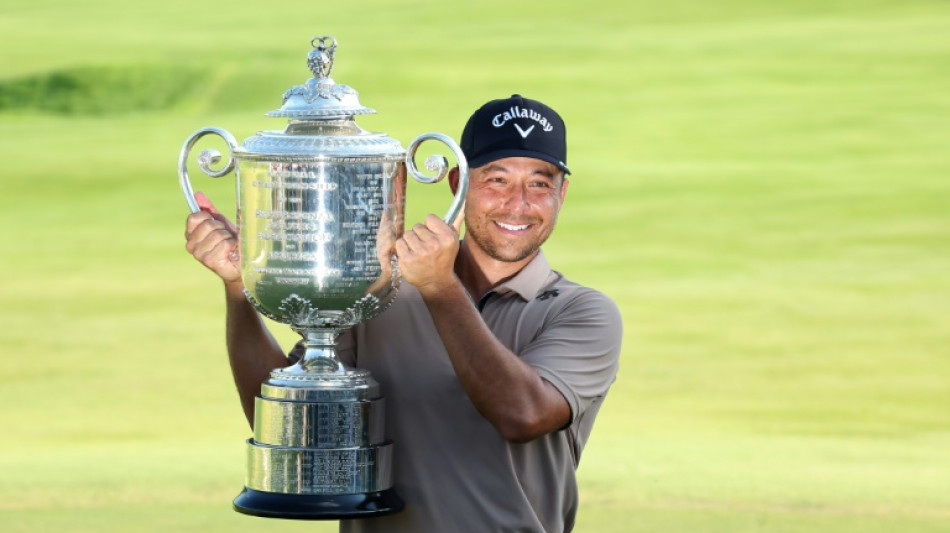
[[508, 254]]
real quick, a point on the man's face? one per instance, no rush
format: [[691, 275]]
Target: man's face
[[512, 206]]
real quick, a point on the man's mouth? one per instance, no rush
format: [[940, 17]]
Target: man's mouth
[[512, 227]]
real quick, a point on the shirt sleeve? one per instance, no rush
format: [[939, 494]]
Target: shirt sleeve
[[578, 349]]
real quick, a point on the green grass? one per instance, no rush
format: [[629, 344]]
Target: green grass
[[762, 187]]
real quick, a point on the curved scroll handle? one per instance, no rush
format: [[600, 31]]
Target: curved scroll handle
[[205, 160], [440, 166]]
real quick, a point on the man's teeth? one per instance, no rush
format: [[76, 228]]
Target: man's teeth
[[511, 227]]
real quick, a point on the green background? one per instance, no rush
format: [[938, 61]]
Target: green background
[[761, 186]]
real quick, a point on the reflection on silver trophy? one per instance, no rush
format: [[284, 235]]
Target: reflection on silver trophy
[[320, 206]]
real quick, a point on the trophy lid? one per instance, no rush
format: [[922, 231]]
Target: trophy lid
[[321, 125], [320, 96]]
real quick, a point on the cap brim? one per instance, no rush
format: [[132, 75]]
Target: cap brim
[[484, 159]]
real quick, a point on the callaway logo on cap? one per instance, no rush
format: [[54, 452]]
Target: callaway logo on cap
[[515, 127]]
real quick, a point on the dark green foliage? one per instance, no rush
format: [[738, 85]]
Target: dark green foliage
[[101, 90]]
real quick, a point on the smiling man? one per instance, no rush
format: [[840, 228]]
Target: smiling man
[[493, 365]]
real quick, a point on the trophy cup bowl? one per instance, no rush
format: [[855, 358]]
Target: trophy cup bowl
[[320, 207]]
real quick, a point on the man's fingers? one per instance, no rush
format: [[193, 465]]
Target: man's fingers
[[403, 250], [204, 232], [194, 221], [229, 225], [205, 204], [413, 239], [439, 228], [218, 253], [200, 247], [200, 224], [427, 252]]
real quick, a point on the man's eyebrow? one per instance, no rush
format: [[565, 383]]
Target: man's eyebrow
[[495, 166]]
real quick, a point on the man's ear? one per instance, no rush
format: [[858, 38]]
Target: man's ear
[[454, 179]]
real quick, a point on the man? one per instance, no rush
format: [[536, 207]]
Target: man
[[493, 365]]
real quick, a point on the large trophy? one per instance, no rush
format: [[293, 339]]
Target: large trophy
[[320, 206]]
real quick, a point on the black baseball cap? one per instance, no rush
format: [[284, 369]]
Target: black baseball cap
[[515, 127]]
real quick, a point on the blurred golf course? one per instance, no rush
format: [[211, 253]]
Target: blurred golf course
[[763, 187]]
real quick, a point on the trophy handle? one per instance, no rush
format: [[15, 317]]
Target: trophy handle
[[205, 160], [439, 165]]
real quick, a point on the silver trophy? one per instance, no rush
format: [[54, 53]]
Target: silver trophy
[[320, 206]]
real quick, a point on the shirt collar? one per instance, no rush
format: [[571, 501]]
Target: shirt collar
[[530, 280]]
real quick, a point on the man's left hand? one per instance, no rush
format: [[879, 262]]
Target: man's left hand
[[427, 254]]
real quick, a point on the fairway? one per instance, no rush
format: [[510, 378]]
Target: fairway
[[762, 187]]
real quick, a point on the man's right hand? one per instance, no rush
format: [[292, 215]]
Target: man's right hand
[[213, 240]]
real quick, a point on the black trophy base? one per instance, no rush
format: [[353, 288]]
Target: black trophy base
[[317, 506]]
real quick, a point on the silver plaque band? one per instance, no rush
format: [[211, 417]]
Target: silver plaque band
[[318, 425], [318, 471]]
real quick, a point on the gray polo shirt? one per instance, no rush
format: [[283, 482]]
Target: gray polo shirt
[[451, 466]]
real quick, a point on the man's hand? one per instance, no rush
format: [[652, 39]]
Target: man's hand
[[213, 240], [427, 254]]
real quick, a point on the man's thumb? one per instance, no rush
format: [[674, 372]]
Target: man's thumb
[[205, 205]]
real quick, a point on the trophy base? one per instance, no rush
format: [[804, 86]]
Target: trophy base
[[317, 506]]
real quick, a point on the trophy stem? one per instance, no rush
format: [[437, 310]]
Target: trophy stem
[[320, 351]]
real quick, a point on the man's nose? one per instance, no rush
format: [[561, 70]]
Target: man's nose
[[517, 198]]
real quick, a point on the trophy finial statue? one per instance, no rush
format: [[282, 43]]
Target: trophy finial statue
[[320, 59]]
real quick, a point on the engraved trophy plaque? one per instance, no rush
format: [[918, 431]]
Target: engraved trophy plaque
[[320, 206]]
